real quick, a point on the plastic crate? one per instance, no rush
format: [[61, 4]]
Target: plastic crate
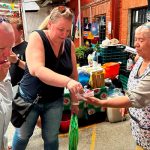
[[124, 72], [114, 48], [124, 81], [114, 59], [114, 54], [123, 66]]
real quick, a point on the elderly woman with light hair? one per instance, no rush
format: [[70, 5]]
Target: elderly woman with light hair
[[137, 98]]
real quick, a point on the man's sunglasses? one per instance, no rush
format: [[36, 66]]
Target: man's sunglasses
[[3, 20], [62, 9]]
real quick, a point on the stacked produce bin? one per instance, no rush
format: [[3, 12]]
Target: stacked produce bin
[[114, 53]]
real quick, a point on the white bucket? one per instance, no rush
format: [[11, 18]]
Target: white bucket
[[114, 115]]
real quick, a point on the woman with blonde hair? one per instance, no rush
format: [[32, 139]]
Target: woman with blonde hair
[[51, 66], [44, 24]]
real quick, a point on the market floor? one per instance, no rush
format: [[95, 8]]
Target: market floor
[[98, 136]]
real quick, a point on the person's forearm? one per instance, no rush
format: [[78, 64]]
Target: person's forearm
[[22, 64], [74, 98], [116, 102], [51, 78]]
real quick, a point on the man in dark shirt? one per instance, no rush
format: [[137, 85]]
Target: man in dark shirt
[[18, 56]]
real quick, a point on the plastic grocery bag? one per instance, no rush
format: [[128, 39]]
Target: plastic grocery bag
[[73, 133]]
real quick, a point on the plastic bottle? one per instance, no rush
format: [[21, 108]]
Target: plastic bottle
[[95, 59], [90, 60], [129, 64]]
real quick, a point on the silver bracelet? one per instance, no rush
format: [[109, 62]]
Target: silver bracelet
[[68, 82]]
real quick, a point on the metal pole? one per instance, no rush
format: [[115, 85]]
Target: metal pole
[[79, 14], [24, 20], [90, 14]]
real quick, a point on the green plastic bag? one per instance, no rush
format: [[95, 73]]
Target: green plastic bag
[[73, 133]]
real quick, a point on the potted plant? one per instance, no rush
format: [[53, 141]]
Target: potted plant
[[82, 53]]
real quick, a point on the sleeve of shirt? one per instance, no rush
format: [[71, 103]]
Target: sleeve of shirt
[[140, 96]]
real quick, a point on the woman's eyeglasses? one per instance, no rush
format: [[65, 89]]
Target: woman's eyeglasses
[[62, 9], [3, 20]]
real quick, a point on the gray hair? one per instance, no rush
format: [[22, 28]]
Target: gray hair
[[145, 28]]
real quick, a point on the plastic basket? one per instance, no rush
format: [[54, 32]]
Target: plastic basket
[[65, 122], [111, 69]]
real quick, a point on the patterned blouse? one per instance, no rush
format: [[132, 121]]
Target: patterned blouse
[[139, 94]]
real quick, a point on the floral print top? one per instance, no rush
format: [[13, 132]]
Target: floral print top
[[140, 116]]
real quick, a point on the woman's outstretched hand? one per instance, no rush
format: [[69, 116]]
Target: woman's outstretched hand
[[74, 87], [93, 100], [123, 111]]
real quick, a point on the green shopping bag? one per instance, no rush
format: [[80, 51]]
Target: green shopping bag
[[73, 133]]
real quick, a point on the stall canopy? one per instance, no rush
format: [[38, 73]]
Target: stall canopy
[[9, 9]]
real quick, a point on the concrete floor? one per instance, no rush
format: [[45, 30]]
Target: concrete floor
[[98, 136]]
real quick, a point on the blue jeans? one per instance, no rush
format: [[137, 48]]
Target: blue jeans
[[51, 114]]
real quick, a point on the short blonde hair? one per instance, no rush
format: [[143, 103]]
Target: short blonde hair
[[55, 14]]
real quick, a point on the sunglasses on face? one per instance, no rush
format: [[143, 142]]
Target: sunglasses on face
[[62, 9], [3, 20]]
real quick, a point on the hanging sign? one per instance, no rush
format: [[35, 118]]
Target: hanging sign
[[90, 36], [94, 28]]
